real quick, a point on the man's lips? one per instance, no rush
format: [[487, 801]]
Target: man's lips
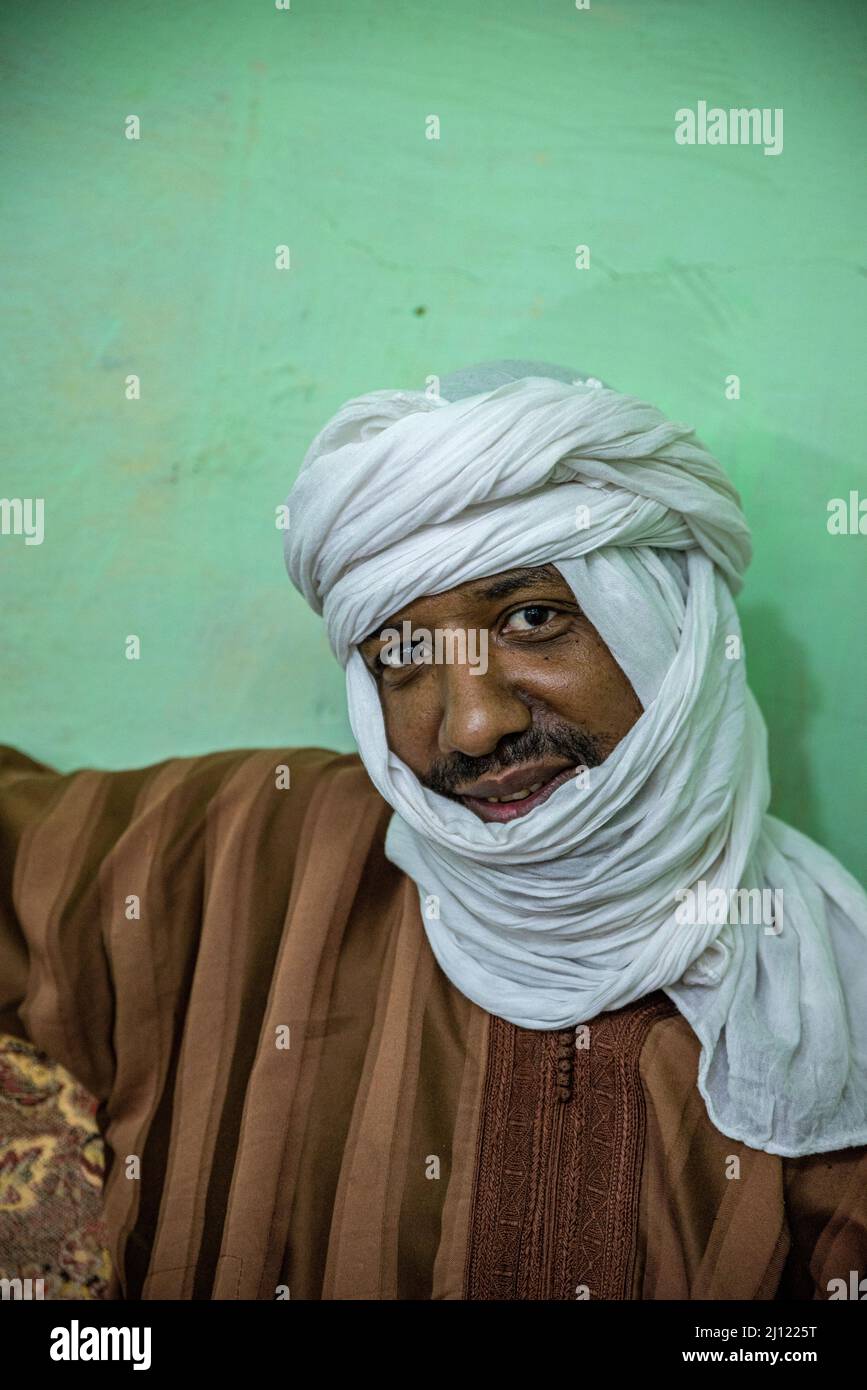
[[542, 778]]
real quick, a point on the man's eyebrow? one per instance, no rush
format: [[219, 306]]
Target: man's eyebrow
[[527, 577]]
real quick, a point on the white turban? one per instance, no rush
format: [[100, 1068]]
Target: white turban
[[576, 908]]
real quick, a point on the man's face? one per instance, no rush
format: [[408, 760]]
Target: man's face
[[551, 700]]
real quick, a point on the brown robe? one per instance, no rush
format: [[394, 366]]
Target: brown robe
[[297, 1102]]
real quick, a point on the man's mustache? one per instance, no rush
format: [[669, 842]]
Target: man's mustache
[[560, 740]]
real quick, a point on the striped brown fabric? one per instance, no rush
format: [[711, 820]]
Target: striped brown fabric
[[297, 1102]]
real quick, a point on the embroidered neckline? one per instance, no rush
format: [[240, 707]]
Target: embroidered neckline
[[554, 1207]]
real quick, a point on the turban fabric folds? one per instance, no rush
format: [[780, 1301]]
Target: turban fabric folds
[[554, 917]]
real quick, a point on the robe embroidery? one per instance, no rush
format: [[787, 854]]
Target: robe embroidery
[[555, 1196]]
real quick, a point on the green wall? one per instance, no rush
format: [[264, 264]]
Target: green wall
[[408, 257]]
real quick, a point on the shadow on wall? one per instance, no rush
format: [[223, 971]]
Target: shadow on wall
[[775, 658]]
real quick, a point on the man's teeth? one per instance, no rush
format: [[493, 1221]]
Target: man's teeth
[[516, 796]]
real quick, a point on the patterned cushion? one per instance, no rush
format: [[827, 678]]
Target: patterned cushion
[[51, 1172]]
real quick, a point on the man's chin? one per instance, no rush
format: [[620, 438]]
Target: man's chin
[[502, 811]]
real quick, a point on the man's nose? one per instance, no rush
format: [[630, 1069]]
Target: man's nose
[[478, 710]]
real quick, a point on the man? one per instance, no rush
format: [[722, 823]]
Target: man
[[531, 999]]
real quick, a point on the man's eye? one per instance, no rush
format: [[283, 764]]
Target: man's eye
[[534, 615], [392, 660]]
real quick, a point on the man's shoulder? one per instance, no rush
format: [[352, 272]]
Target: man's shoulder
[[211, 769], [271, 795], [320, 791], [308, 768], [669, 1067]]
